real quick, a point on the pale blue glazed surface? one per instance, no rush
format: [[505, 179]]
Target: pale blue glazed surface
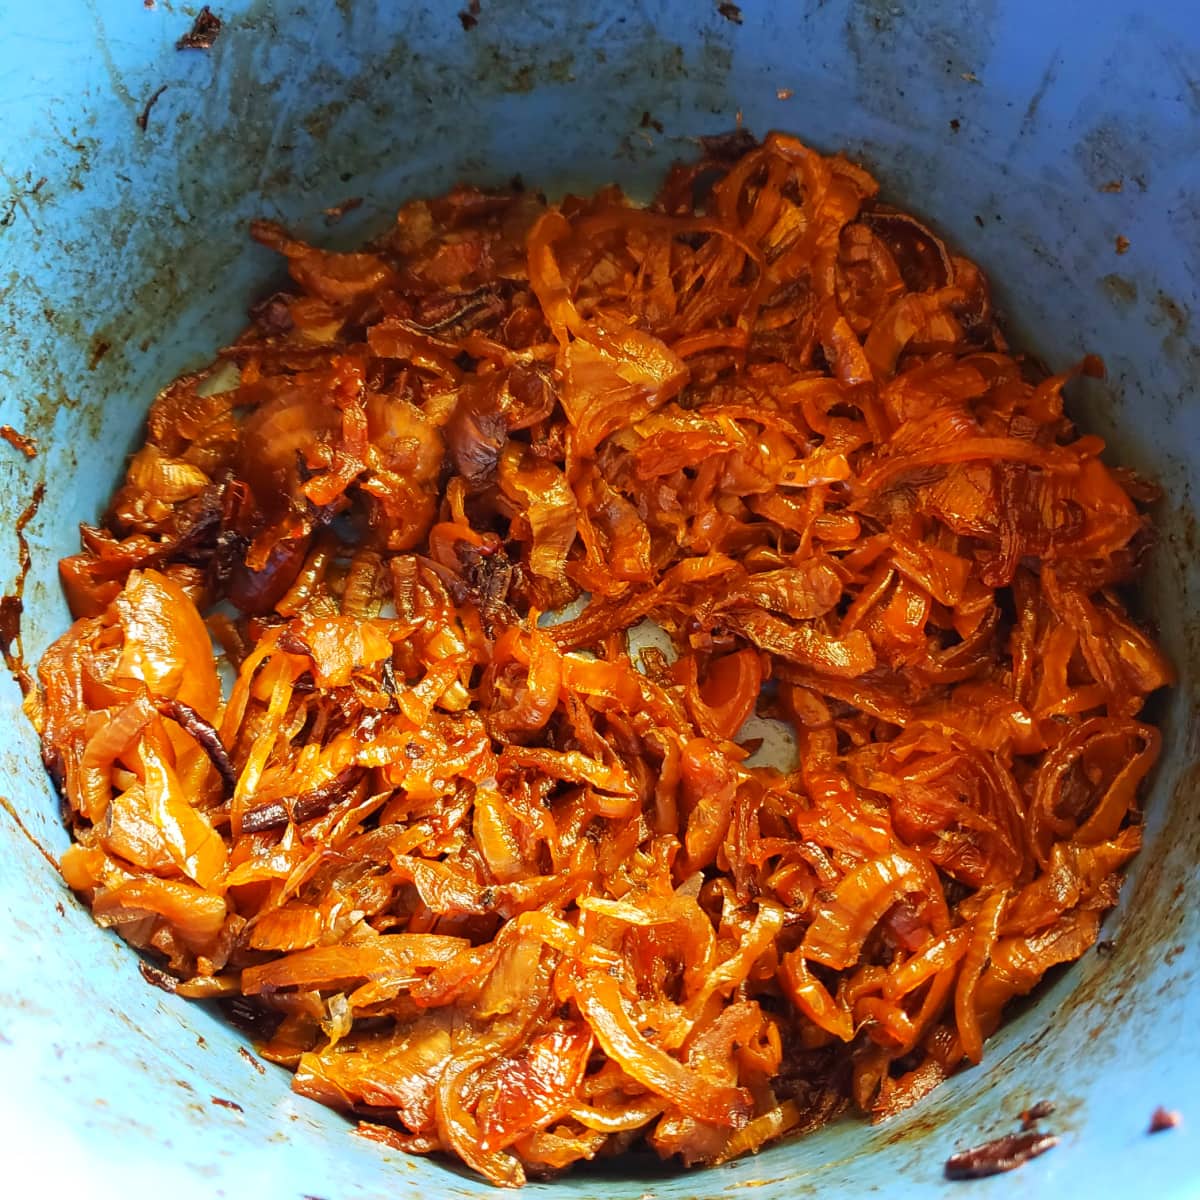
[[111, 235]]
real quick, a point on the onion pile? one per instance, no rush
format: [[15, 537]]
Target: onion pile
[[475, 874]]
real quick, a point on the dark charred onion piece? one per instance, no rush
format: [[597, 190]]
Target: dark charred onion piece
[[258, 592], [157, 977], [250, 1016], [1002, 1154], [206, 736], [462, 312], [728, 147], [1163, 1119], [920, 254], [304, 807], [203, 32], [272, 315], [475, 435], [1036, 1112]]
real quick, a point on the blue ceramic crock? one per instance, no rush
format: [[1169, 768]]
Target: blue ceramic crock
[[1037, 136]]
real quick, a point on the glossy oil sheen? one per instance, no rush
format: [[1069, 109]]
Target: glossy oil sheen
[[124, 260]]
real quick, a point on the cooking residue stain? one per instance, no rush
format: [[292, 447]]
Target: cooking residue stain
[[252, 1060], [12, 605], [7, 805]]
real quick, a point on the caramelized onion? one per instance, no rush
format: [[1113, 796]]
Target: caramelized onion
[[518, 529]]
